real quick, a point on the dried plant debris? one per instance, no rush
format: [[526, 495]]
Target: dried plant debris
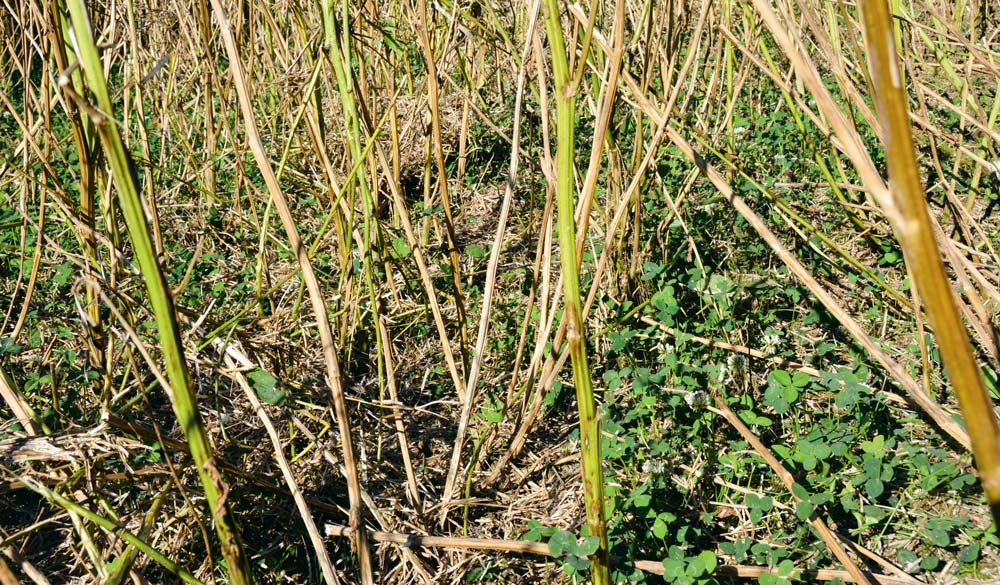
[[773, 400]]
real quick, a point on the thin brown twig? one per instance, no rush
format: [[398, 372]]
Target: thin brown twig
[[411, 541], [238, 362], [824, 531]]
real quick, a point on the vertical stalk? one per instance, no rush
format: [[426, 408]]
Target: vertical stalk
[[182, 397], [136, 90], [86, 148], [338, 44], [205, 28], [590, 431], [729, 64], [916, 235], [433, 102]]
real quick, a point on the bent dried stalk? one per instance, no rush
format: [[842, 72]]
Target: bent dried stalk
[[312, 284]]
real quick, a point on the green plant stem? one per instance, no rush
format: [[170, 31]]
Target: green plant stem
[[109, 525], [182, 397], [338, 46], [122, 566], [590, 432], [84, 140]]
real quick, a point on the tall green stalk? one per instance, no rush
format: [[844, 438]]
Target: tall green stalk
[[339, 51], [590, 427], [182, 396]]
